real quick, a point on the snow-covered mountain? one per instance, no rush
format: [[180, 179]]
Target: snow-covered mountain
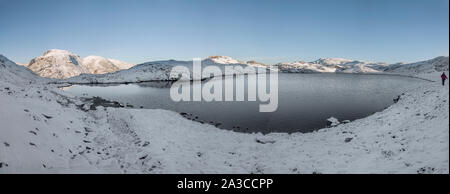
[[332, 65], [60, 64], [160, 70], [439, 64], [256, 64], [64, 64], [57, 64], [151, 71], [229, 61], [22, 64], [340, 65], [303, 67], [224, 60], [99, 65], [121, 64]]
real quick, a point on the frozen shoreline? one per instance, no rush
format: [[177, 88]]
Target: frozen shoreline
[[43, 131]]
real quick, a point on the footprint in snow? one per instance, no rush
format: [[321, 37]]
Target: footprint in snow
[[46, 116], [348, 139], [2, 164]]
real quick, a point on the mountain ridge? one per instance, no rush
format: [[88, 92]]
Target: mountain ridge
[[63, 64], [57, 63]]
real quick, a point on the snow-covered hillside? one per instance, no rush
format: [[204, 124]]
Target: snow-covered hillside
[[439, 64], [340, 65], [59, 64], [332, 65], [256, 64], [99, 65], [45, 130], [160, 70], [152, 71], [225, 60], [11, 73], [121, 64], [228, 60]]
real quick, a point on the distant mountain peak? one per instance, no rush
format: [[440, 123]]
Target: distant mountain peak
[[57, 52], [331, 65], [332, 61], [58, 63], [224, 60]]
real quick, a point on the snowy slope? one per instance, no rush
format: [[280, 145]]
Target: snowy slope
[[256, 64], [303, 67], [439, 64], [16, 74], [332, 65], [102, 65], [150, 71], [45, 130], [22, 64], [340, 65], [225, 60], [60, 64], [121, 64], [99, 65]]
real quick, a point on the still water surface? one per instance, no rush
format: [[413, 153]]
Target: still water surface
[[305, 100]]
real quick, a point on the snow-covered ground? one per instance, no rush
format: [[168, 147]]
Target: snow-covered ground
[[45, 130]]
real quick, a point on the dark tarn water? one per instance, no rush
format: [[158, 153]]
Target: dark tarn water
[[306, 101]]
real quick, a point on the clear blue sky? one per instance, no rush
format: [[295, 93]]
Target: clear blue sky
[[268, 31]]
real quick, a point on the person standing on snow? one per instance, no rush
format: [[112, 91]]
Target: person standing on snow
[[444, 77]]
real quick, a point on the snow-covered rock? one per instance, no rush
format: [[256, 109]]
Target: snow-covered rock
[[60, 64], [333, 122]]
